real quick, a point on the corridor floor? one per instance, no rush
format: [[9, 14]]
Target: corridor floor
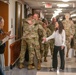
[[70, 69]]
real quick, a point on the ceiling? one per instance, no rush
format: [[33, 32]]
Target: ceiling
[[48, 12]]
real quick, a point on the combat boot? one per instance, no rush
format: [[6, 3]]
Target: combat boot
[[45, 60], [67, 55], [39, 65], [21, 65], [30, 66]]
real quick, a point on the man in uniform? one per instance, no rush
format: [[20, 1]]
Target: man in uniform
[[37, 29], [46, 44], [52, 28], [69, 30], [26, 23]]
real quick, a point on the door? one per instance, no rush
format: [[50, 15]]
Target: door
[[4, 14]]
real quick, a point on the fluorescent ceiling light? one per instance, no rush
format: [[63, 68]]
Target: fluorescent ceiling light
[[73, 15], [62, 5], [43, 2], [58, 11], [55, 14], [65, 0]]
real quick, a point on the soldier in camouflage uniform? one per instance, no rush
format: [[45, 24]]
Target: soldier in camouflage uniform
[[40, 33], [52, 28], [46, 44], [69, 30], [24, 42], [38, 30], [74, 46]]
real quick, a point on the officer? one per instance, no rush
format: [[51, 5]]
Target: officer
[[37, 30], [51, 26], [69, 30], [46, 44]]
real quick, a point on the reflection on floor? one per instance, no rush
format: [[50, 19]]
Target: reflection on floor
[[70, 69]]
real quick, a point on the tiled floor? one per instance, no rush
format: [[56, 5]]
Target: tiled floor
[[70, 69]]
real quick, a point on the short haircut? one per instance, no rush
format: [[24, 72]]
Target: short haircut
[[29, 15], [37, 14], [61, 27], [44, 21]]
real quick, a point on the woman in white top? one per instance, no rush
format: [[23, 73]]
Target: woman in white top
[[59, 37]]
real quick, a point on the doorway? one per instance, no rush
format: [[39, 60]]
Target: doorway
[[4, 14]]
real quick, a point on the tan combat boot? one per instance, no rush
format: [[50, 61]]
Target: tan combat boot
[[66, 54], [21, 65], [39, 65], [30, 66], [45, 60]]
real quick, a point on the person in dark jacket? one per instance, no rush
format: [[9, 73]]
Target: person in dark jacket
[[4, 36]]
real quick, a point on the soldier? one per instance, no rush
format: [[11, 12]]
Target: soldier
[[69, 30], [46, 44], [23, 41], [40, 33], [35, 33], [73, 40], [52, 28]]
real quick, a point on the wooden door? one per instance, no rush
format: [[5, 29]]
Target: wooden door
[[4, 14]]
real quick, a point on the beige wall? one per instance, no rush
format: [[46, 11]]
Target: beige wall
[[12, 23]]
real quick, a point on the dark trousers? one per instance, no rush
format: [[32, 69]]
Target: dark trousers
[[55, 61]]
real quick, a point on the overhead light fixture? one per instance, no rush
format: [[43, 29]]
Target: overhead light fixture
[[65, 0], [55, 14], [62, 5], [58, 11], [73, 15], [43, 2]]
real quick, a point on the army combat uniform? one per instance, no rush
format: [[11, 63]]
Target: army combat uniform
[[52, 28], [75, 40], [36, 51], [69, 30], [26, 40], [46, 44]]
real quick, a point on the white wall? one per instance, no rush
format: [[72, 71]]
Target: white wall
[[12, 23]]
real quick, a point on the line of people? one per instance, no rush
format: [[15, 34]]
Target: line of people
[[33, 32], [35, 35]]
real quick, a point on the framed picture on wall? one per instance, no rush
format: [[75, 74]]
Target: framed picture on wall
[[18, 20]]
